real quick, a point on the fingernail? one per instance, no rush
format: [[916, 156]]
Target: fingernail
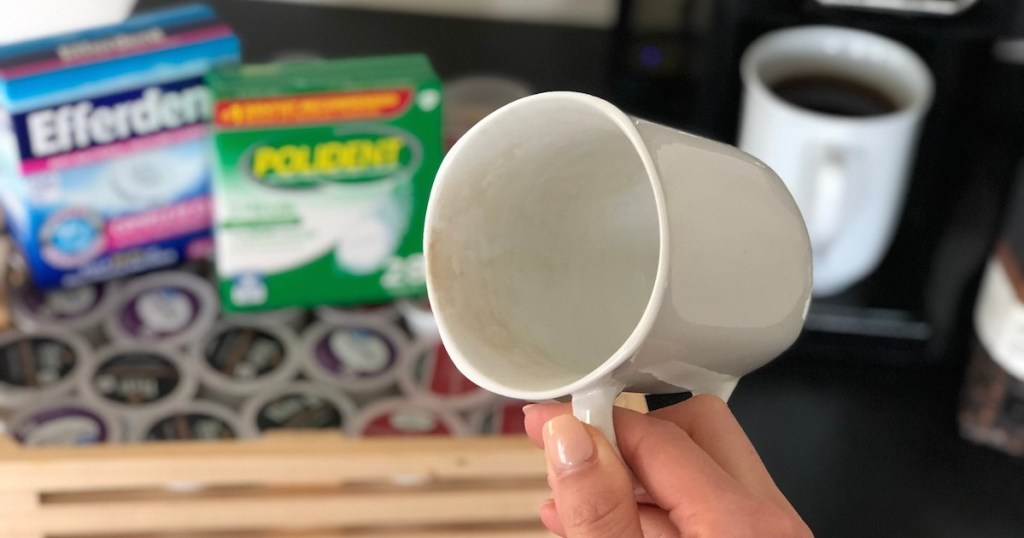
[[567, 443], [527, 407]]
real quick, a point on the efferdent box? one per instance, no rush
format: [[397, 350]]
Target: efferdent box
[[104, 151], [321, 179]]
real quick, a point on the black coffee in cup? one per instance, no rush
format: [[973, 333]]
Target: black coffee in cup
[[834, 95]]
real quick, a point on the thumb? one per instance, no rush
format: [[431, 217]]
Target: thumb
[[593, 491]]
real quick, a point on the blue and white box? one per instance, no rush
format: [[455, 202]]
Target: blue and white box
[[104, 149]]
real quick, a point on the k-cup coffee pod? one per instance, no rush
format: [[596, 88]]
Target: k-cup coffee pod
[[237, 360], [167, 309], [378, 313], [40, 366], [82, 309], [501, 417], [419, 319], [361, 358], [427, 373], [292, 317], [136, 380], [64, 422], [399, 416], [198, 420], [300, 405]]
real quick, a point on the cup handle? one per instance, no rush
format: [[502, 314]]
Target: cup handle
[[829, 185], [593, 406]]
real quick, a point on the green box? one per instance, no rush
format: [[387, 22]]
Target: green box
[[321, 180]]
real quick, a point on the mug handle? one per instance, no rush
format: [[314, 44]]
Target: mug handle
[[829, 187], [593, 405]]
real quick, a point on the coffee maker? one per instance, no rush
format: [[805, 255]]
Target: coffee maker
[[677, 62]]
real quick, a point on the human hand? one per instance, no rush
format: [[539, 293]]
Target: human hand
[[701, 474]]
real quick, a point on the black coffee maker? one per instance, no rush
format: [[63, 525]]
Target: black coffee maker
[[677, 61]]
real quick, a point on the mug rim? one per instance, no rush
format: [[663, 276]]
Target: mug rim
[[645, 323], [755, 53]]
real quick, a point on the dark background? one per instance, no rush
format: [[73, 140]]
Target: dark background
[[858, 429]]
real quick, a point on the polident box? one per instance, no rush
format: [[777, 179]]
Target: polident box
[[322, 175], [104, 151]]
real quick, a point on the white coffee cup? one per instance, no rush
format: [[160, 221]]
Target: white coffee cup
[[848, 174], [573, 250]]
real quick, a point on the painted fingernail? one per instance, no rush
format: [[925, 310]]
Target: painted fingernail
[[567, 443]]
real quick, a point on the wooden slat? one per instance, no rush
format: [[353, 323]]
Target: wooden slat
[[512, 530], [393, 509], [317, 459]]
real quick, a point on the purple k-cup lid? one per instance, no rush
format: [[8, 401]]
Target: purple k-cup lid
[[42, 365], [167, 309], [80, 309], [64, 422], [359, 357]]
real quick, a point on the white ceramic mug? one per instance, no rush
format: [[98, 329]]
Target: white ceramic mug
[[573, 250], [848, 174]]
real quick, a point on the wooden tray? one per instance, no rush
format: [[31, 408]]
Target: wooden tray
[[292, 484], [287, 484]]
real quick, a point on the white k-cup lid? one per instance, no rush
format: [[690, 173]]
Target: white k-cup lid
[[42, 365], [63, 422], [199, 420], [300, 405], [135, 380], [241, 359], [167, 309], [359, 357]]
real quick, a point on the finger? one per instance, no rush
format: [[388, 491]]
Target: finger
[[592, 490], [654, 522], [710, 423], [549, 517], [663, 457], [536, 415]]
